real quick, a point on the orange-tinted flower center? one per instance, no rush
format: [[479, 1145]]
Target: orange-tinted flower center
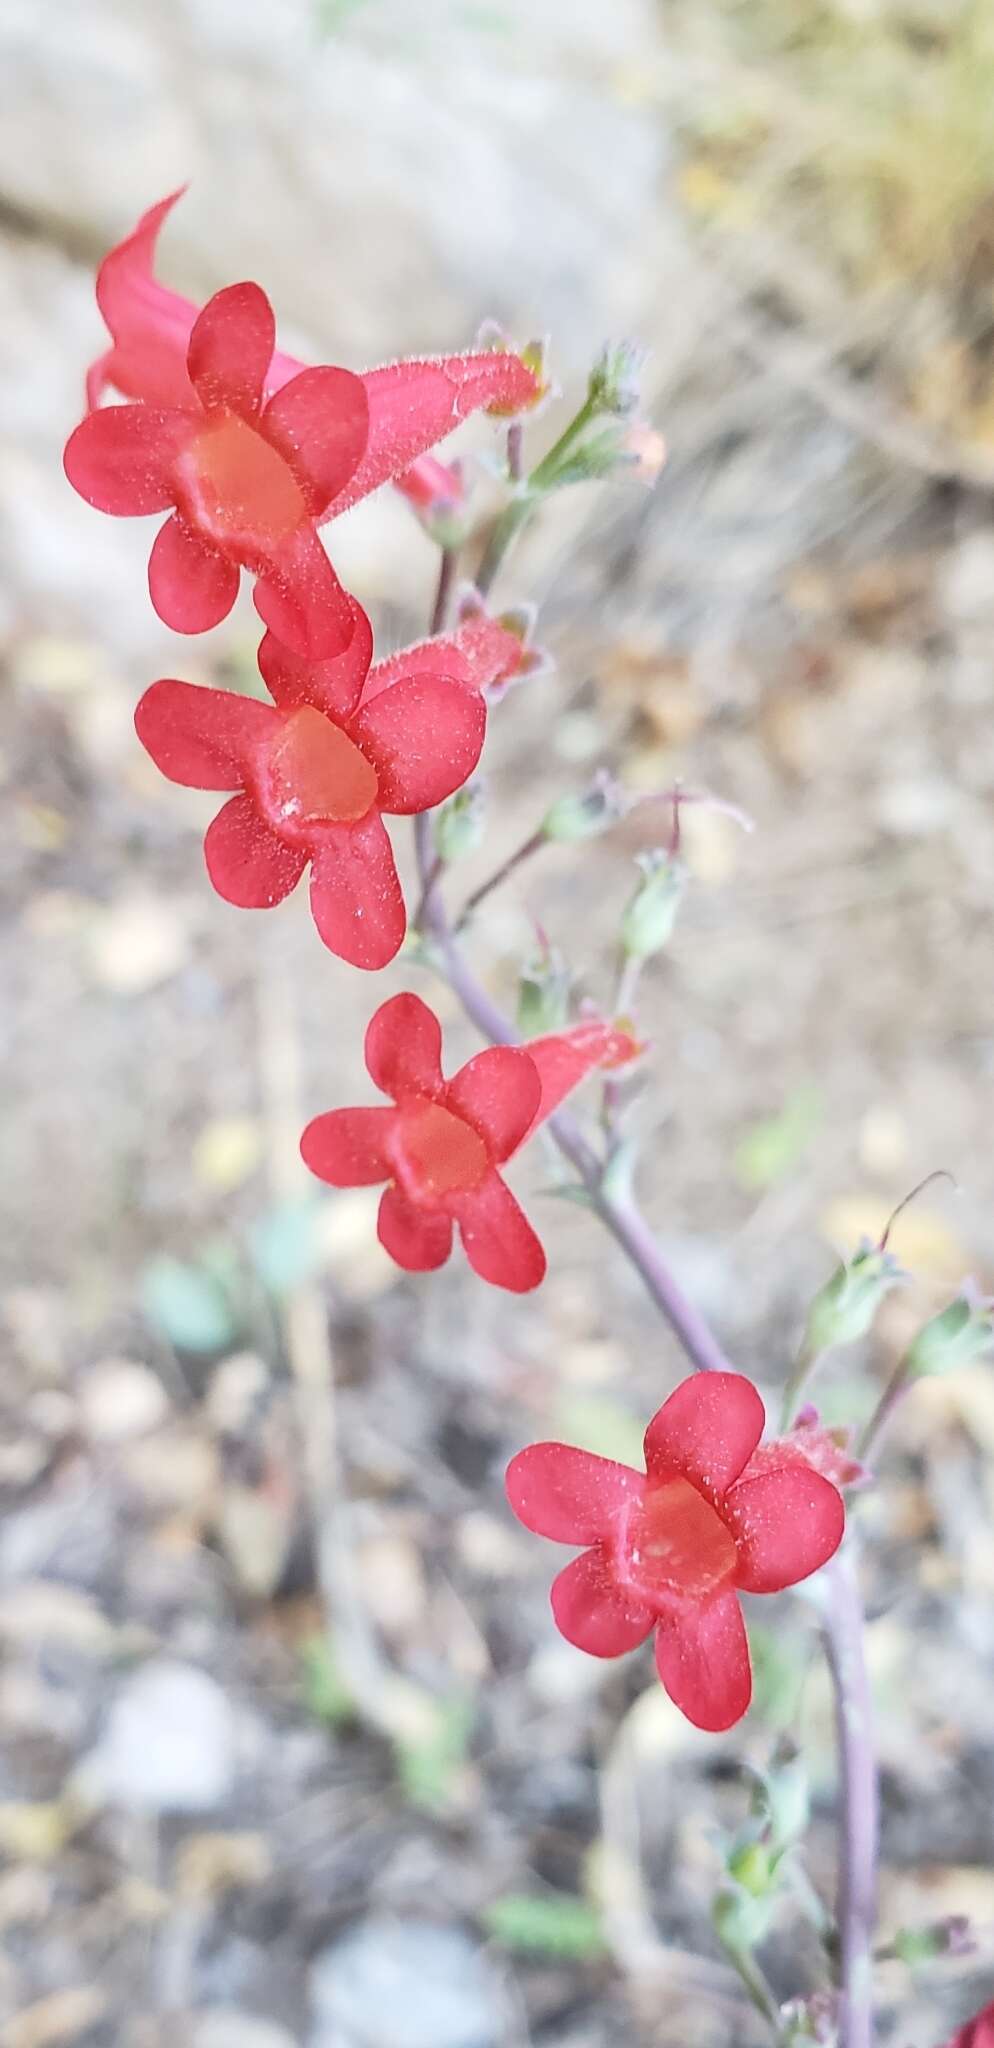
[[678, 1543], [237, 488], [316, 773], [438, 1154]]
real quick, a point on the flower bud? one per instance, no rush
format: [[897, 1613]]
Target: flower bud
[[648, 921], [949, 1937], [586, 812], [741, 1920], [955, 1337], [458, 825], [436, 491], [844, 1308], [616, 377], [543, 994]]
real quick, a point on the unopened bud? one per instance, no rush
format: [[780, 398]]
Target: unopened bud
[[740, 1920], [586, 812], [949, 1937], [955, 1337], [615, 379], [844, 1308], [753, 1866], [543, 994], [648, 921], [458, 825]]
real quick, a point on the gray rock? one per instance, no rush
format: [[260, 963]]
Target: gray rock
[[169, 1745], [227, 2028], [405, 1984]]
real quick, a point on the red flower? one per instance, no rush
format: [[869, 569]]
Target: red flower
[[315, 771], [410, 405], [438, 1147], [670, 1549], [247, 481], [978, 2032]]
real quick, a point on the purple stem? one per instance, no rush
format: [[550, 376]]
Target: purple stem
[[843, 1632]]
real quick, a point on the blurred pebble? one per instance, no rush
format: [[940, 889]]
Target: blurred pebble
[[405, 1984], [169, 1744], [119, 1399], [232, 2029]]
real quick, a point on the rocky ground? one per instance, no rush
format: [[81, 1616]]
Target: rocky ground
[[215, 1828]]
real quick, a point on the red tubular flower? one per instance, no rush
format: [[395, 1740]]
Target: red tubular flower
[[978, 2032], [669, 1550], [438, 1147], [410, 405], [246, 481], [565, 1058], [315, 770], [480, 650]]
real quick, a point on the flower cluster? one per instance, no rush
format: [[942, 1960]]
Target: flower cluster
[[250, 453]]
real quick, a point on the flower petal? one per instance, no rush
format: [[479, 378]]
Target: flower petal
[[347, 1147], [331, 686], [120, 459], [412, 405], [200, 737], [246, 862], [424, 737], [786, 1525], [150, 325], [565, 1058], [492, 653], [569, 1495], [192, 587], [300, 599], [404, 1048], [706, 1430], [419, 1239], [356, 898], [320, 422], [596, 1614], [231, 348], [702, 1657], [497, 1091], [499, 1241]]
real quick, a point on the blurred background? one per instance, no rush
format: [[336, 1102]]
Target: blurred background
[[290, 1752]]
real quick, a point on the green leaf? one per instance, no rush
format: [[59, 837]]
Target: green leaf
[[768, 1151], [325, 1692], [545, 1924], [428, 1768], [188, 1305]]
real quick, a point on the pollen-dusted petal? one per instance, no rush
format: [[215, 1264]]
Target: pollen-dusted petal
[[425, 737], [356, 898], [419, 1239], [299, 597], [121, 459], [312, 774], [414, 404], [404, 1048], [246, 862], [320, 422], [498, 1091], [191, 585], [787, 1523], [333, 686], [436, 1155], [568, 1495], [596, 1614], [498, 1239], [706, 1430], [702, 1656], [203, 738], [348, 1147], [231, 348]]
